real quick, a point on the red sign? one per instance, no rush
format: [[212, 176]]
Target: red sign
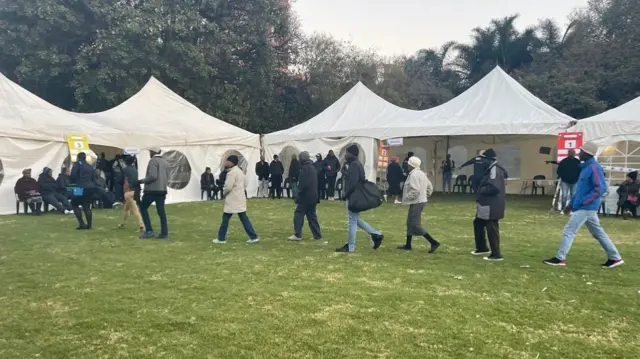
[[569, 141], [383, 155]]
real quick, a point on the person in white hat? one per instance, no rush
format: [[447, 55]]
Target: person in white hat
[[584, 210], [417, 189]]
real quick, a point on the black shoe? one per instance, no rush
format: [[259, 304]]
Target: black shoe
[[611, 263], [377, 240], [404, 247], [82, 227], [343, 249], [555, 262], [434, 247]]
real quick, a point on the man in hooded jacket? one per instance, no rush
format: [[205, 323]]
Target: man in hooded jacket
[[306, 199], [49, 192], [331, 170], [276, 169]]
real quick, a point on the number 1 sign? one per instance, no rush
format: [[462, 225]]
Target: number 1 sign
[[569, 141]]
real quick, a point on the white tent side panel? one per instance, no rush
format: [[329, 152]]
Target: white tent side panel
[[619, 124]]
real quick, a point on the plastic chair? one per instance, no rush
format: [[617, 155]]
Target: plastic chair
[[461, 184], [470, 184], [535, 186]]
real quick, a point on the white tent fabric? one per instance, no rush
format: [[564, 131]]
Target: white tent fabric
[[156, 116], [619, 124]]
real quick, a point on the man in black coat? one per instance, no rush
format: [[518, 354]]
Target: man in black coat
[[490, 208], [262, 171], [480, 163], [50, 194], [322, 181], [331, 170], [568, 171], [306, 199], [294, 172], [276, 170], [405, 165]]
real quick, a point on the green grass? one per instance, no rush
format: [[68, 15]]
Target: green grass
[[106, 294]]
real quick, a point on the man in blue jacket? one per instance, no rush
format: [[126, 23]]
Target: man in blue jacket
[[584, 205]]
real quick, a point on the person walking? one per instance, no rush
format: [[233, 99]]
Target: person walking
[[83, 177], [306, 200], [395, 177], [354, 177], [294, 172], [276, 170], [331, 170], [584, 210], [235, 202], [130, 173], [155, 191], [417, 189], [262, 171], [490, 208], [322, 183], [447, 167]]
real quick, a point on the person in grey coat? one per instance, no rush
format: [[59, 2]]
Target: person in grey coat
[[155, 190], [306, 199], [490, 208], [417, 189]]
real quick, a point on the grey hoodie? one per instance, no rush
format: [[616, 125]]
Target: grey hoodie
[[158, 173]]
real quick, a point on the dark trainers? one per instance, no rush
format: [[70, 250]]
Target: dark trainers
[[377, 240], [555, 262], [480, 253], [146, 235], [162, 236], [343, 249], [612, 263], [404, 247], [434, 247]]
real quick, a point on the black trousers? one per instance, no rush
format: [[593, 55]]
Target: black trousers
[[308, 210], [484, 229], [322, 188], [85, 202], [331, 187], [276, 187], [57, 200], [159, 199]]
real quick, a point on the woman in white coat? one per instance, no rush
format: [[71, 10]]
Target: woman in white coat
[[235, 201]]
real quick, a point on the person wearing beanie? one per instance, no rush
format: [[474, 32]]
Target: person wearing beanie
[[276, 170], [322, 183], [416, 192], [235, 202], [584, 210], [354, 176], [480, 163], [155, 183], [306, 199], [628, 195], [490, 208]]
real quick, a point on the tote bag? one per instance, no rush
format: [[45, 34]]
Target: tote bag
[[366, 196]]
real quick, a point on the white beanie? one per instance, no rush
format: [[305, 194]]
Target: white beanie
[[414, 162]]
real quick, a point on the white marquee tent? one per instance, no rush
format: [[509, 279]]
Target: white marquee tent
[[32, 135], [191, 139]]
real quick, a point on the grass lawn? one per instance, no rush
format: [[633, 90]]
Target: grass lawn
[[106, 294]]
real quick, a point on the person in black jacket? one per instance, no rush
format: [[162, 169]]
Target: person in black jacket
[[62, 182], [83, 176], [294, 172], [331, 170], [322, 182], [629, 195], [405, 165], [276, 170], [355, 177], [50, 194], [220, 183], [568, 172], [395, 177], [480, 164], [306, 199], [262, 171], [207, 183]]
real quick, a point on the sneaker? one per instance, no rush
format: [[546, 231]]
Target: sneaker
[[162, 236], [146, 235], [555, 262], [612, 263], [493, 259], [217, 241], [480, 253], [252, 241], [397, 202], [68, 212], [82, 227], [626, 215], [343, 249], [404, 247], [116, 205], [377, 240], [434, 247], [295, 238]]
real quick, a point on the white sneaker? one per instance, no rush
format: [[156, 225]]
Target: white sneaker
[[294, 238], [252, 241], [397, 202], [68, 212], [216, 241]]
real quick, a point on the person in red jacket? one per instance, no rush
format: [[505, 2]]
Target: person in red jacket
[[27, 190]]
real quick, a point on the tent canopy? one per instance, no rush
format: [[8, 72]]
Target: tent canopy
[[157, 116], [359, 112], [24, 115], [622, 123]]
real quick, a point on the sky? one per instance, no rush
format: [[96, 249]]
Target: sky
[[399, 27]]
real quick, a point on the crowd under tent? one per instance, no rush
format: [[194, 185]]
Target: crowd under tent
[[33, 135], [617, 131], [190, 139], [358, 117]]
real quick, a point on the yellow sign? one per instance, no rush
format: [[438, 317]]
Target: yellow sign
[[79, 143]]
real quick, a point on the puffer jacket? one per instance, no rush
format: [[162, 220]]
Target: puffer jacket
[[417, 188]]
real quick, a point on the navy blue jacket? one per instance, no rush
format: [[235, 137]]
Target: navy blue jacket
[[83, 175]]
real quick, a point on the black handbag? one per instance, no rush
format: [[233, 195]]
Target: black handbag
[[365, 196]]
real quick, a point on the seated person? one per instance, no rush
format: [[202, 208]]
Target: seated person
[[220, 183], [27, 191], [62, 182], [628, 195], [207, 183], [49, 191], [102, 194]]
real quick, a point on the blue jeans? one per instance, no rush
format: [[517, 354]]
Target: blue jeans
[[246, 223], [447, 177], [578, 218], [159, 199], [568, 191], [354, 223]]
